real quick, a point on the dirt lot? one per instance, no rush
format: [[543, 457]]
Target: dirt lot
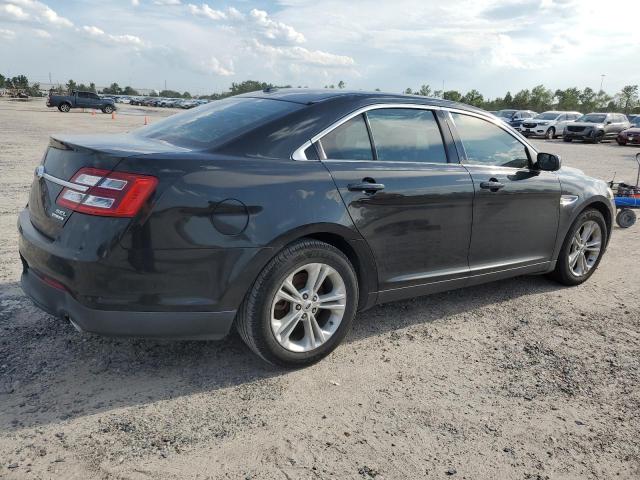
[[519, 379]]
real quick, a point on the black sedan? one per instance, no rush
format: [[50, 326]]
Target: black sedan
[[281, 213]]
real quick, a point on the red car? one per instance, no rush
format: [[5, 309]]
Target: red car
[[631, 135]]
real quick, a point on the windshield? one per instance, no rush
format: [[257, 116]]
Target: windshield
[[547, 116], [592, 118], [216, 122], [636, 122], [505, 113]]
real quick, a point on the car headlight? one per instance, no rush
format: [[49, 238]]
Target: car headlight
[[609, 193], [543, 123]]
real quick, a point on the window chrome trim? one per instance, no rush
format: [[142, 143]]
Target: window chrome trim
[[299, 154], [64, 183]]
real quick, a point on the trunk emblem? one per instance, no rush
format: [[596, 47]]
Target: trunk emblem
[[40, 171]]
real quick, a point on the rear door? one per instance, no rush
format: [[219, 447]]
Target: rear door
[[516, 208], [410, 203]]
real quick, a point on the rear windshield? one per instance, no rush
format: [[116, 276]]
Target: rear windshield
[[214, 123], [505, 113]]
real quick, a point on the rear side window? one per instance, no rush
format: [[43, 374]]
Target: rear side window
[[487, 144], [406, 135], [350, 141], [216, 122]]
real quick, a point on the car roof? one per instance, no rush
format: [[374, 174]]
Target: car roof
[[309, 96]]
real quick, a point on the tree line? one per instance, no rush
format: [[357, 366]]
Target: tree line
[[539, 98]]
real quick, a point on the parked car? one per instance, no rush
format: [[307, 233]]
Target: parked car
[[548, 124], [595, 127], [631, 135], [515, 118], [633, 118], [81, 100], [281, 213]]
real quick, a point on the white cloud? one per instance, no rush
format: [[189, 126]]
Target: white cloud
[[32, 10], [135, 3], [13, 12], [167, 2], [206, 11], [274, 30], [304, 55], [125, 40], [41, 33], [213, 65], [7, 34]]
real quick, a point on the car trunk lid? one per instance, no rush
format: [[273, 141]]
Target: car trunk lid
[[66, 155]]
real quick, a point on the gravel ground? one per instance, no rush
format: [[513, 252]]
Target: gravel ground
[[518, 379]]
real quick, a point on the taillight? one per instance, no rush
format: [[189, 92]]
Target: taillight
[[110, 194]]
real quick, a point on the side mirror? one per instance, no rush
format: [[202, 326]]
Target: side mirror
[[609, 122], [548, 162]]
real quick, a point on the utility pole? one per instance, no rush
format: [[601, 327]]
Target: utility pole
[[602, 80]]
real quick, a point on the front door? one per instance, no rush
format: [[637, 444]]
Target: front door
[[516, 208], [409, 203]]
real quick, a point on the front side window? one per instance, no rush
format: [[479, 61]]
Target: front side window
[[406, 135], [349, 141], [486, 144]]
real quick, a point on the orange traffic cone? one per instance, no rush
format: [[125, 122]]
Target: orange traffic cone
[[113, 115], [146, 122], [93, 113]]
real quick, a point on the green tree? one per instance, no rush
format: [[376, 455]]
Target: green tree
[[588, 100], [408, 91], [508, 100], [20, 81], [170, 94], [473, 97], [71, 86], [129, 91], [522, 99], [603, 101], [425, 91], [452, 95], [184, 95], [114, 89], [627, 98], [541, 98], [341, 84], [2, 80], [568, 99]]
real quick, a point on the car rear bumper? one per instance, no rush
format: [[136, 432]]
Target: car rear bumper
[[187, 325]]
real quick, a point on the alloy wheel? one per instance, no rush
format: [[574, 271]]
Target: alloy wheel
[[308, 307], [585, 248]]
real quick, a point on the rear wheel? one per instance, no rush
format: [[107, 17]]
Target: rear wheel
[[582, 249], [626, 218], [301, 306], [550, 133], [622, 143], [64, 107], [599, 136], [566, 139]]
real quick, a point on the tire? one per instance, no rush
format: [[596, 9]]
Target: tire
[[108, 109], [564, 273], [550, 133], [598, 137], [621, 143], [262, 315], [64, 107], [626, 218], [566, 139]]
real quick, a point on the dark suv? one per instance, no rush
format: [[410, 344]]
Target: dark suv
[[281, 213], [595, 127], [515, 118]]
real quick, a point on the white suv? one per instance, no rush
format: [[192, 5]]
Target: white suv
[[548, 124]]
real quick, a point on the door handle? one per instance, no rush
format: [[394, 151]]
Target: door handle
[[492, 185], [366, 187]]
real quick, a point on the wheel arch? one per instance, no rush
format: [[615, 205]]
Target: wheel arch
[[345, 239]]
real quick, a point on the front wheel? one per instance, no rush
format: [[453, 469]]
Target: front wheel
[[108, 109], [622, 143], [301, 306], [582, 249], [64, 107], [566, 139], [550, 133]]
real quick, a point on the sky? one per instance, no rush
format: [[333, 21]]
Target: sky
[[490, 45]]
